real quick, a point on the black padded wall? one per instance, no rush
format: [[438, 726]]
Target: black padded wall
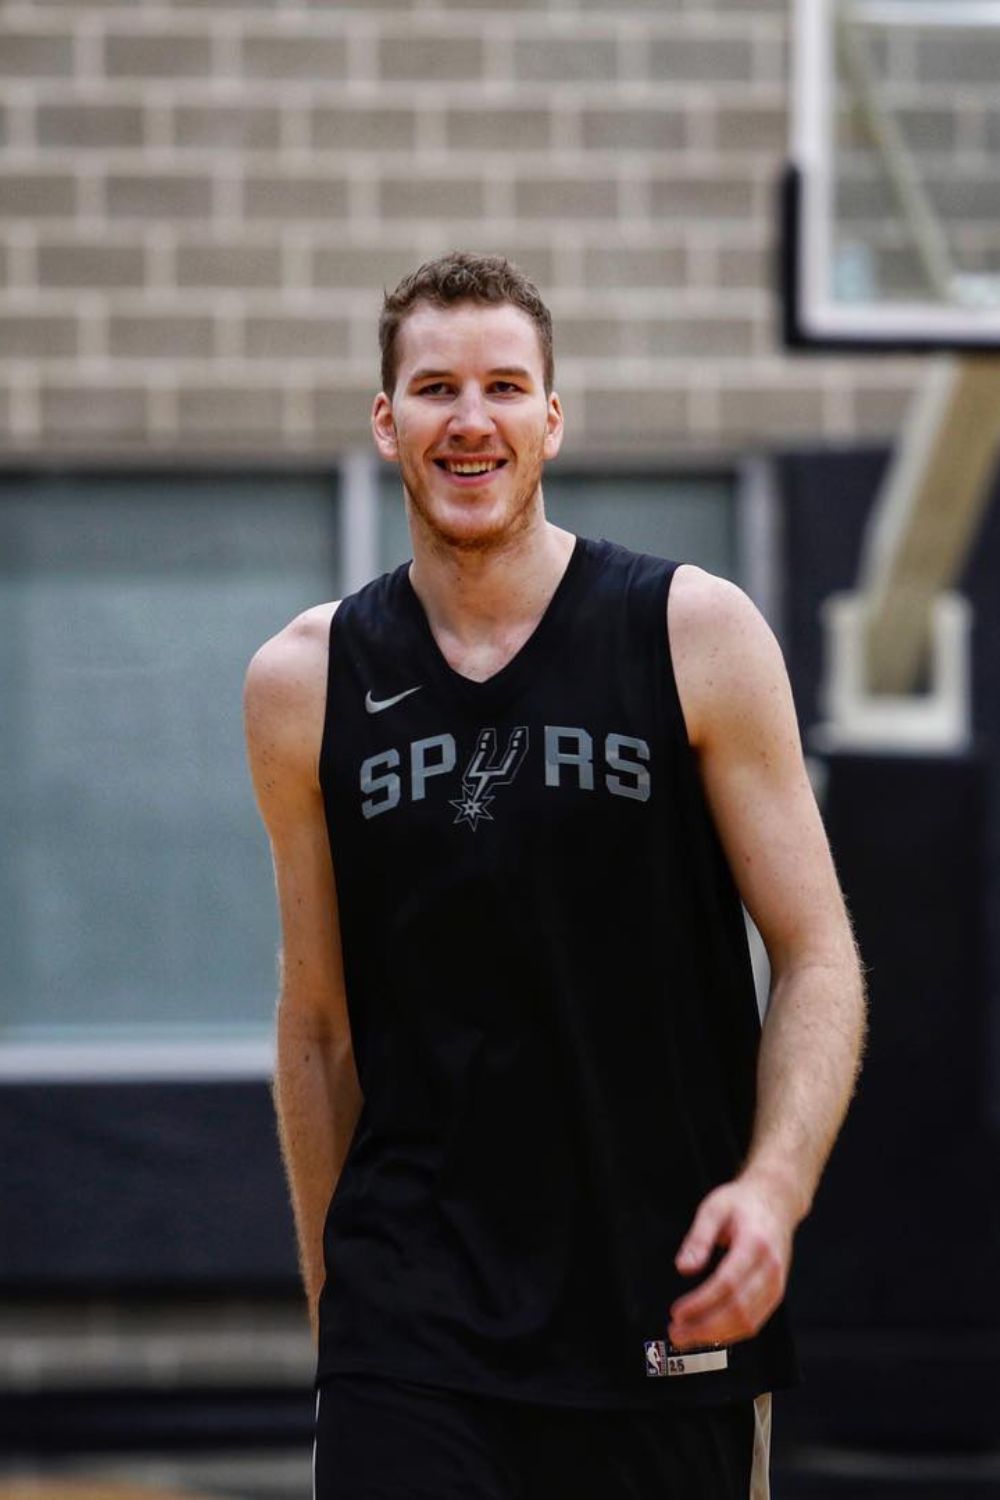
[[128, 1187], [893, 1284]]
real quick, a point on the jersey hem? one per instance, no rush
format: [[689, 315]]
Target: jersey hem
[[746, 1389]]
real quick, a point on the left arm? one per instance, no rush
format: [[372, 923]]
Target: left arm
[[741, 722]]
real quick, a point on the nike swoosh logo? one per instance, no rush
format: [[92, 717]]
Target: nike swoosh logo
[[375, 706]]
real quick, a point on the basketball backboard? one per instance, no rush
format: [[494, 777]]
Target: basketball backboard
[[891, 201]]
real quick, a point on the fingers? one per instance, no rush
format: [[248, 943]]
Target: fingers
[[734, 1302], [702, 1237], [732, 1305], [747, 1284]]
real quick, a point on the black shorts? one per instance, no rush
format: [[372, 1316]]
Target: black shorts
[[386, 1439]]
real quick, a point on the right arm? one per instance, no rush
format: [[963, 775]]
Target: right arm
[[317, 1096]]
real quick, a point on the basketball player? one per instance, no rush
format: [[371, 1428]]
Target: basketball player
[[515, 790]]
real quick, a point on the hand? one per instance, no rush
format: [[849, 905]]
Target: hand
[[749, 1281]]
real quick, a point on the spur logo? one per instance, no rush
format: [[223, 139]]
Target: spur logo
[[619, 767], [485, 771]]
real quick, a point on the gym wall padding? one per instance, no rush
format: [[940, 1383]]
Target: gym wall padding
[[893, 1287], [133, 1187]]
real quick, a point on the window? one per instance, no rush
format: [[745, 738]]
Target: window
[[136, 899]]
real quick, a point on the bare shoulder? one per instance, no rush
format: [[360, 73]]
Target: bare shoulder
[[726, 658], [284, 696]]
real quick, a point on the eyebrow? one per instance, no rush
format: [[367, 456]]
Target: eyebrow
[[504, 370]]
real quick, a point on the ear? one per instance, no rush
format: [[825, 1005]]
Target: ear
[[384, 428], [553, 427]]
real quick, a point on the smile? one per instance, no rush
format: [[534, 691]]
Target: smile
[[470, 467]]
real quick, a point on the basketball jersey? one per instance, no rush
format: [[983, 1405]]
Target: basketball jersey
[[551, 1002]]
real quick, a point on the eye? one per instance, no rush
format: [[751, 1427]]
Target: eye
[[505, 387], [432, 388]]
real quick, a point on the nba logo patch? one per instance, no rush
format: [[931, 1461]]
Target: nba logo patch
[[663, 1358]]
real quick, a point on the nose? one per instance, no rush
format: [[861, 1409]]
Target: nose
[[470, 416]]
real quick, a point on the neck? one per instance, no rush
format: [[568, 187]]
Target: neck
[[470, 596]]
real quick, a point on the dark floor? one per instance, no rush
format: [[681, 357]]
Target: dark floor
[[832, 1475], [816, 1474]]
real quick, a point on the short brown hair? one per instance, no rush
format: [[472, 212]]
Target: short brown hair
[[462, 277]]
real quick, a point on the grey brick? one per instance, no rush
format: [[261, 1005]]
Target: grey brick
[[239, 414], [230, 263], [633, 129], [694, 196], [431, 197], [89, 125], [313, 57], [699, 338], [966, 197], [425, 59], [745, 7], [289, 337], [213, 5], [929, 129], [490, 5], [516, 128], [558, 198], [565, 59], [357, 127], [343, 411], [957, 58], [76, 262], [157, 195], [628, 266], [163, 55], [294, 196], [231, 127], [537, 262], [71, 413], [627, 415], [701, 59], [763, 412], [752, 128], [589, 337], [32, 195], [361, 266], [36, 335], [34, 54], [879, 410], [173, 335], [744, 266]]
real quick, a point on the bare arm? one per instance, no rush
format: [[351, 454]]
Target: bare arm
[[741, 722], [316, 1092]]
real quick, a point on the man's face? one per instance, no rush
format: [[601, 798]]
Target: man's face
[[469, 422]]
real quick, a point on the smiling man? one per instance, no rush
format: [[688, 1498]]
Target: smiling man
[[546, 1168]]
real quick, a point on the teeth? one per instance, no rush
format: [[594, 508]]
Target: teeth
[[458, 468]]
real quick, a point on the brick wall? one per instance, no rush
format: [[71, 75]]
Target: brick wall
[[200, 202]]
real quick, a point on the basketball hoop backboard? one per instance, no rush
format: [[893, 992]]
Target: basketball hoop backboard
[[892, 195]]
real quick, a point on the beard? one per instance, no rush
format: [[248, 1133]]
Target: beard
[[496, 534]]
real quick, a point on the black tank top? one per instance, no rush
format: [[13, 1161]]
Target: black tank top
[[551, 1002]]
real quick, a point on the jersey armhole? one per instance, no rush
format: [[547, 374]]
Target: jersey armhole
[[324, 741], [673, 691]]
